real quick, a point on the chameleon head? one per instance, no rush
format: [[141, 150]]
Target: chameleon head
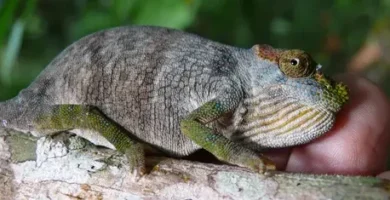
[[304, 74], [291, 101]]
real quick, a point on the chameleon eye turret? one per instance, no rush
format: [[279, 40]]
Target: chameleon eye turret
[[297, 64]]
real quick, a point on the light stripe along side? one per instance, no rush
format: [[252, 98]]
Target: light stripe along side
[[279, 116]]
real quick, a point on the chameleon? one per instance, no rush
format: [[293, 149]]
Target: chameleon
[[178, 92]]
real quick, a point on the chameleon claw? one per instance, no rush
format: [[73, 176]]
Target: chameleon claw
[[255, 162], [137, 172], [269, 165], [136, 160], [265, 165]]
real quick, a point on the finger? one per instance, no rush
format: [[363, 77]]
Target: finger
[[358, 142]]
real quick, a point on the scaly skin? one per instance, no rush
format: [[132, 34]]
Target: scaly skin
[[179, 92]]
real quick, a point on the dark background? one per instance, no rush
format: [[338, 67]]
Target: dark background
[[342, 35]]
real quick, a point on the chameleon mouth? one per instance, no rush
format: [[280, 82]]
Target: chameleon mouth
[[280, 122], [335, 93]]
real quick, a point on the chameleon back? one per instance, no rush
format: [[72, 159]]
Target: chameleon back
[[146, 79]]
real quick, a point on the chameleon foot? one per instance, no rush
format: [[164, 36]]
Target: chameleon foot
[[136, 159], [261, 164], [257, 163]]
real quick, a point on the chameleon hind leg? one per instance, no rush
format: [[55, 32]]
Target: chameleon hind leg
[[55, 118]]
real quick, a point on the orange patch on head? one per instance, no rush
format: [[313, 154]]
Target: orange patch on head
[[268, 53]]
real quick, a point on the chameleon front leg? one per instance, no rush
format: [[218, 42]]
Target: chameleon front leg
[[193, 126], [55, 118]]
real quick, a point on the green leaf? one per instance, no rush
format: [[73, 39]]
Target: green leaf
[[122, 8], [92, 21], [12, 51], [169, 13], [280, 27], [6, 15]]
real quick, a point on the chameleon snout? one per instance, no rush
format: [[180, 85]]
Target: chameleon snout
[[342, 92], [335, 93]]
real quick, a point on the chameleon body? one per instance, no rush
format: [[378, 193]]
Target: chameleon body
[[178, 92]]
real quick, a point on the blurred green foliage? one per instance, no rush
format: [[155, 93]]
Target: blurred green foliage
[[32, 32]]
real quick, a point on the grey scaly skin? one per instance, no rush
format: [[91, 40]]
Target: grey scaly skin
[[178, 92]]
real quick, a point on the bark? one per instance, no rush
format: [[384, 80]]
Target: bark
[[68, 167]]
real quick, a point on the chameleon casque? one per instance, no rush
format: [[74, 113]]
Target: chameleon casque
[[178, 92]]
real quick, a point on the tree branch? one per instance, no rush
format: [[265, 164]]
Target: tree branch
[[68, 167]]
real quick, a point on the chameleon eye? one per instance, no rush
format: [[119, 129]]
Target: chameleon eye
[[296, 64], [294, 61]]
